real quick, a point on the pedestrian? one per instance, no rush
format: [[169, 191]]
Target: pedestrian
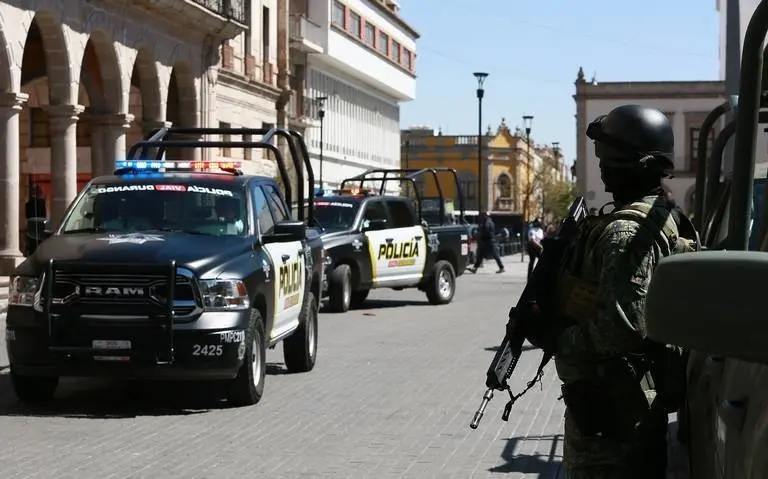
[[534, 246], [486, 242], [617, 384]]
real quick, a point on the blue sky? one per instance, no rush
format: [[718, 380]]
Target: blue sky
[[532, 51]]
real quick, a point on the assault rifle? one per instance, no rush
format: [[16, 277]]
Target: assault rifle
[[536, 304]]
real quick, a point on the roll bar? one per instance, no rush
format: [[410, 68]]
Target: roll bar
[[410, 175], [702, 187], [162, 138]]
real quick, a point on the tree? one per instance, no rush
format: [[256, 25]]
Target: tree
[[558, 196]]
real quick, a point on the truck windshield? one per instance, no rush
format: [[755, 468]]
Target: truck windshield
[[336, 215], [190, 209]]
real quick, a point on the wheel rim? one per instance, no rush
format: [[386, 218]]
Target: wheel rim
[[256, 359], [311, 333], [444, 283]]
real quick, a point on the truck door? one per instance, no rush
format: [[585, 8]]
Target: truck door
[[400, 251], [289, 262]]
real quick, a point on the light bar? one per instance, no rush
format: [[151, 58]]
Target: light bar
[[356, 192], [178, 165]]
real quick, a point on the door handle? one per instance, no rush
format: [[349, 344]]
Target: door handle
[[418, 238], [389, 240], [300, 253], [286, 257]]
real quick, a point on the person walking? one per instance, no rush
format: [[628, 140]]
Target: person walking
[[534, 245], [486, 242]]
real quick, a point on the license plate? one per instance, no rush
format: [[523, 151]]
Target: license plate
[[110, 344]]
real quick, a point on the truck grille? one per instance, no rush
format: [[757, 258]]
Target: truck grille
[[122, 293]]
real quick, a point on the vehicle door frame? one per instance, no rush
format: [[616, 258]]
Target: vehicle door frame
[[404, 275]]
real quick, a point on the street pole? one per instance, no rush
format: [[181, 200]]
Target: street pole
[[321, 114], [528, 123], [407, 146], [556, 154], [480, 76]]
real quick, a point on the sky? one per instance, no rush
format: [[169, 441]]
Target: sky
[[532, 52]]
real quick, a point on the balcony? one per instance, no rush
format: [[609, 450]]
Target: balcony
[[302, 111], [306, 35], [223, 18]]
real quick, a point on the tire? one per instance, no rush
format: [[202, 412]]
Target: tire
[[441, 284], [300, 348], [359, 297], [340, 289], [248, 387], [33, 389]]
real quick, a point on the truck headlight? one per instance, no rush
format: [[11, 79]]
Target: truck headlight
[[22, 290], [224, 294]]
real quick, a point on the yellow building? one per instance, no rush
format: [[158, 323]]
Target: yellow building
[[505, 167]]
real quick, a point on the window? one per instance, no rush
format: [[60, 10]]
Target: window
[[383, 46], [401, 213], [261, 211], [355, 24], [276, 203], [375, 211], [693, 147], [370, 35], [338, 14], [265, 34], [225, 152], [395, 51], [408, 59]]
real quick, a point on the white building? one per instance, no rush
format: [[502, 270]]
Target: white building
[[685, 103], [361, 56], [80, 83]]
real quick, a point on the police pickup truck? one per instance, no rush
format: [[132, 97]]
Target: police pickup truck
[[374, 241], [168, 270]]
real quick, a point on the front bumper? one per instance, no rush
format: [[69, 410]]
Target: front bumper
[[210, 347]]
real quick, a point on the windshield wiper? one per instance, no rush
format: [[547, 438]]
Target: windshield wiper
[[96, 229]]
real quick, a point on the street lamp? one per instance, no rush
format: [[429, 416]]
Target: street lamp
[[527, 124], [480, 93], [556, 168], [321, 114]]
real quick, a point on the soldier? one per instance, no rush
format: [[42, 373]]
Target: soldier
[[615, 381]]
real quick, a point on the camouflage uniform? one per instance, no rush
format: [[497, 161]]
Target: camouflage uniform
[[602, 288]]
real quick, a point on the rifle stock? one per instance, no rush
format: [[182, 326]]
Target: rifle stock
[[538, 293]]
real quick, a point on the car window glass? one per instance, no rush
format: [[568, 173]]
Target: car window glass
[[261, 211], [276, 202], [402, 216], [375, 211]]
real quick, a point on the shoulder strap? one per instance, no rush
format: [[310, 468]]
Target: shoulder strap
[[662, 227]]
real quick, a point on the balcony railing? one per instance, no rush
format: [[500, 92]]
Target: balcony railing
[[232, 9], [305, 31]]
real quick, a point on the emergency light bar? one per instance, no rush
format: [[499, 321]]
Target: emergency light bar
[[355, 192], [178, 165]]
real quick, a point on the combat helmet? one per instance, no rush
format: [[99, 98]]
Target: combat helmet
[[634, 136]]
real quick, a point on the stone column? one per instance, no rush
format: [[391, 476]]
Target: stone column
[[10, 252], [63, 123], [115, 128]]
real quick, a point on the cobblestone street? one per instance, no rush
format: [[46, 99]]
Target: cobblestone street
[[392, 396]]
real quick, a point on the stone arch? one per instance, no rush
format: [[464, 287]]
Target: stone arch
[[7, 82], [146, 79], [181, 106], [503, 183], [56, 54], [101, 63]]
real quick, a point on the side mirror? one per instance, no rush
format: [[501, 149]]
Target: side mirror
[[711, 301], [37, 232], [375, 225], [286, 231]]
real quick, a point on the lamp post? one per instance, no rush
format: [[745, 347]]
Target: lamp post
[[321, 114], [480, 76], [527, 124], [407, 147], [556, 154]]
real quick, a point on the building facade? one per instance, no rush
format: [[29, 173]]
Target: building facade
[[80, 83], [686, 104], [511, 170], [352, 63]]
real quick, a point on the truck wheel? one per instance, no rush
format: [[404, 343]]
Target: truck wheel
[[442, 283], [340, 290], [248, 387], [33, 388], [300, 348], [359, 297]]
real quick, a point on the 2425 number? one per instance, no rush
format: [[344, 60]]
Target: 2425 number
[[208, 350]]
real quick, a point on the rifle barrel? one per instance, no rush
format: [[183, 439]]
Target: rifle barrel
[[479, 414]]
